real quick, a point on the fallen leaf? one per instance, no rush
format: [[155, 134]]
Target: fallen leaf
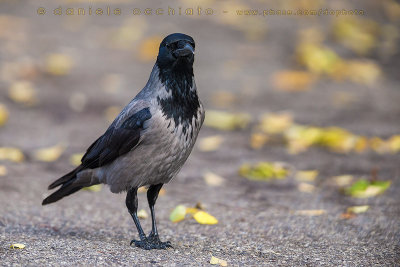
[[3, 114], [75, 159], [264, 171], [276, 123], [22, 92], [343, 180], [210, 143], [258, 140], [3, 170], [347, 215], [215, 261], [93, 188], [307, 175], [362, 71], [58, 64], [394, 144], [293, 81], [213, 179], [310, 212], [191, 210], [12, 154], [49, 154], [17, 246], [203, 217], [148, 49], [222, 120], [357, 209], [178, 214], [306, 188], [142, 214], [142, 189], [365, 189]]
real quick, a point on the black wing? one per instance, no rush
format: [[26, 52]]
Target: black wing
[[116, 141]]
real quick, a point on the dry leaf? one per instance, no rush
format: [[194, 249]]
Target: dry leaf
[[310, 212], [293, 81], [258, 140], [210, 143], [264, 171], [75, 159], [215, 261], [203, 217], [58, 64], [307, 176], [12, 154], [276, 123], [178, 214], [343, 180], [213, 179], [357, 209], [394, 144], [191, 210], [3, 114], [22, 92], [3, 170], [365, 189], [306, 188], [226, 121], [142, 214], [17, 246], [142, 189], [49, 154]]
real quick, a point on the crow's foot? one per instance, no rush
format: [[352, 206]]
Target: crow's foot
[[152, 242]]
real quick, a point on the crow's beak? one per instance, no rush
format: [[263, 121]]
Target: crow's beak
[[187, 50]]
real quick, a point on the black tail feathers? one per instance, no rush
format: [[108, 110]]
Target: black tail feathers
[[68, 187]]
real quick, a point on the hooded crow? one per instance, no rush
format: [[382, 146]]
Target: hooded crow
[[149, 141]]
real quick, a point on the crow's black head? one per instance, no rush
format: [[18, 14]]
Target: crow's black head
[[176, 52]]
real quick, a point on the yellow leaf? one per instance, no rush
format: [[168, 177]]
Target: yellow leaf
[[362, 72], [203, 217], [378, 145], [264, 171], [215, 261], [17, 246], [3, 170], [306, 188], [210, 143], [142, 214], [307, 176], [93, 188], [75, 159], [357, 209], [59, 64], [293, 81], [49, 154], [148, 49], [178, 214], [142, 189], [22, 92], [3, 114], [12, 154], [310, 212], [276, 123], [213, 179], [191, 210], [394, 143], [226, 121], [343, 180], [258, 140]]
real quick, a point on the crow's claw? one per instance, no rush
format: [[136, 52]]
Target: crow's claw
[[153, 242]]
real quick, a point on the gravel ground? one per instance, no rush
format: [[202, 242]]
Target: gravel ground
[[258, 224]]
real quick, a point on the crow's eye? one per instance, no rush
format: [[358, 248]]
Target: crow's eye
[[172, 46]]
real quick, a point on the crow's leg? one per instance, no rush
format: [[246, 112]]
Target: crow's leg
[[132, 205], [153, 237]]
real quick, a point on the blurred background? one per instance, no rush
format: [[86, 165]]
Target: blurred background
[[300, 146]]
